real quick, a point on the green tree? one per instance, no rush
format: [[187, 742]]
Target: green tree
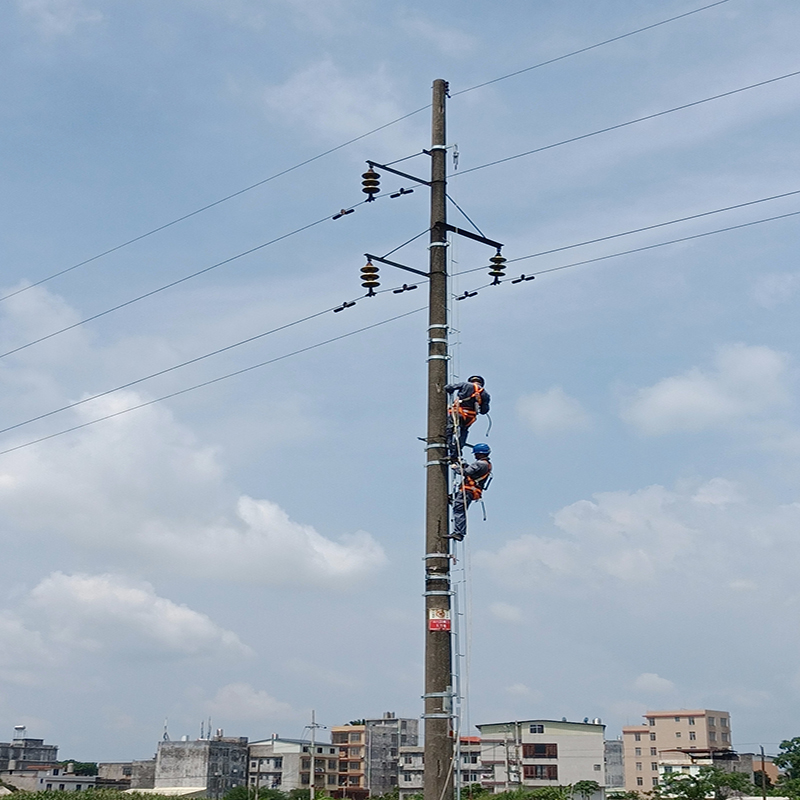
[[788, 759], [708, 782], [585, 789]]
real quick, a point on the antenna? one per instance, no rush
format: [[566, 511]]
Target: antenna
[[165, 735]]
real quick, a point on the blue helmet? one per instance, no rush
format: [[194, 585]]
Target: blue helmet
[[481, 449]]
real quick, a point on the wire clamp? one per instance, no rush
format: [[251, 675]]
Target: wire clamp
[[436, 593], [442, 341], [438, 358], [438, 244], [438, 462]]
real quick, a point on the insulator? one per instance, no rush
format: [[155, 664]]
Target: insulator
[[343, 213], [369, 277], [371, 183], [498, 270]]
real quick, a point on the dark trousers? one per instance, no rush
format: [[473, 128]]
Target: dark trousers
[[454, 451], [460, 512]]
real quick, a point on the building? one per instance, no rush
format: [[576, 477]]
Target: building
[[615, 765], [670, 732], [369, 753], [285, 764], [542, 752], [691, 761], [21, 752], [470, 768], [213, 765], [63, 779]]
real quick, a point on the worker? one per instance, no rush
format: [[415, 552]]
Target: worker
[[474, 479], [470, 400]]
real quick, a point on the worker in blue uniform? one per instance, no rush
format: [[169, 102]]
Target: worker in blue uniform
[[470, 400], [474, 479]]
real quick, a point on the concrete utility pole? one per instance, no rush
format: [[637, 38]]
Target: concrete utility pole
[[438, 722]]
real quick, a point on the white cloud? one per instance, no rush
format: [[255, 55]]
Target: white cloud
[[111, 613], [745, 382], [240, 701], [58, 17], [140, 484], [718, 492], [652, 683], [333, 104], [521, 690], [776, 288], [552, 411], [506, 612], [22, 651], [449, 41]]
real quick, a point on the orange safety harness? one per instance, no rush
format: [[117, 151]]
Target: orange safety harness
[[467, 415], [475, 486]]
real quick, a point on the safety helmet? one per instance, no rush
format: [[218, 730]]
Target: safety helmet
[[481, 449], [475, 379]]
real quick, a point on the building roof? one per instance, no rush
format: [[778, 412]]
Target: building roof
[[173, 791]]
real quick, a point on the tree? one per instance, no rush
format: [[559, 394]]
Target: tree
[[585, 789], [708, 782], [788, 759]]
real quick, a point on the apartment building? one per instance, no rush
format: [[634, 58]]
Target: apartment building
[[213, 765], [369, 753], [542, 752], [470, 768], [615, 765], [286, 764], [670, 732], [22, 752]]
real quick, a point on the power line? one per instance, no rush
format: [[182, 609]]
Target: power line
[[588, 48], [629, 122], [641, 249], [341, 146], [162, 288], [209, 382]]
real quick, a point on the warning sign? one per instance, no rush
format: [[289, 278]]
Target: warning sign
[[438, 619]]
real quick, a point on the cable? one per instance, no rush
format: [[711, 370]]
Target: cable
[[162, 288], [209, 382], [588, 48], [464, 214], [626, 124], [163, 371], [641, 249], [340, 147], [645, 228]]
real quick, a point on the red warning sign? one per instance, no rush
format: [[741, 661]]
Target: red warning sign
[[438, 619]]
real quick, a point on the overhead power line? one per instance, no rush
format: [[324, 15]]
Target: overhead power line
[[341, 146], [309, 317], [629, 122], [588, 48], [209, 382]]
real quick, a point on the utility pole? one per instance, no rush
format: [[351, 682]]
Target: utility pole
[[438, 725]]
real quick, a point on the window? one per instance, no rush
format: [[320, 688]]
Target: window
[[354, 752], [640, 781], [653, 766], [540, 772], [333, 764], [539, 751], [354, 766], [55, 772], [342, 766], [691, 720], [408, 760], [78, 787], [652, 737], [692, 736], [332, 780], [253, 764], [278, 763], [638, 766], [305, 763], [49, 785], [725, 737], [712, 721], [407, 777], [712, 737], [723, 721], [651, 720], [653, 751], [667, 769], [637, 751], [655, 781], [339, 738], [597, 768], [60, 787], [319, 749], [637, 737], [304, 779], [677, 719], [677, 734], [355, 737], [537, 728]]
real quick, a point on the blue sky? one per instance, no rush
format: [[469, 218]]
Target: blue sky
[[252, 550]]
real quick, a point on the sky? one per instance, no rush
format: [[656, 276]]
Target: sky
[[252, 549]]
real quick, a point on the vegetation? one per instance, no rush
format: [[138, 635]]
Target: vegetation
[[708, 782], [96, 794], [81, 767]]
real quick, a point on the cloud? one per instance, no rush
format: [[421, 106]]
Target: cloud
[[22, 651], [718, 492], [652, 683], [110, 612], [140, 485], [776, 288], [449, 41], [240, 701], [745, 382], [506, 612], [58, 17], [332, 104], [552, 411], [521, 690]]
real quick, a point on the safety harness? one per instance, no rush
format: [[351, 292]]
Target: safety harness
[[468, 415], [475, 486]]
